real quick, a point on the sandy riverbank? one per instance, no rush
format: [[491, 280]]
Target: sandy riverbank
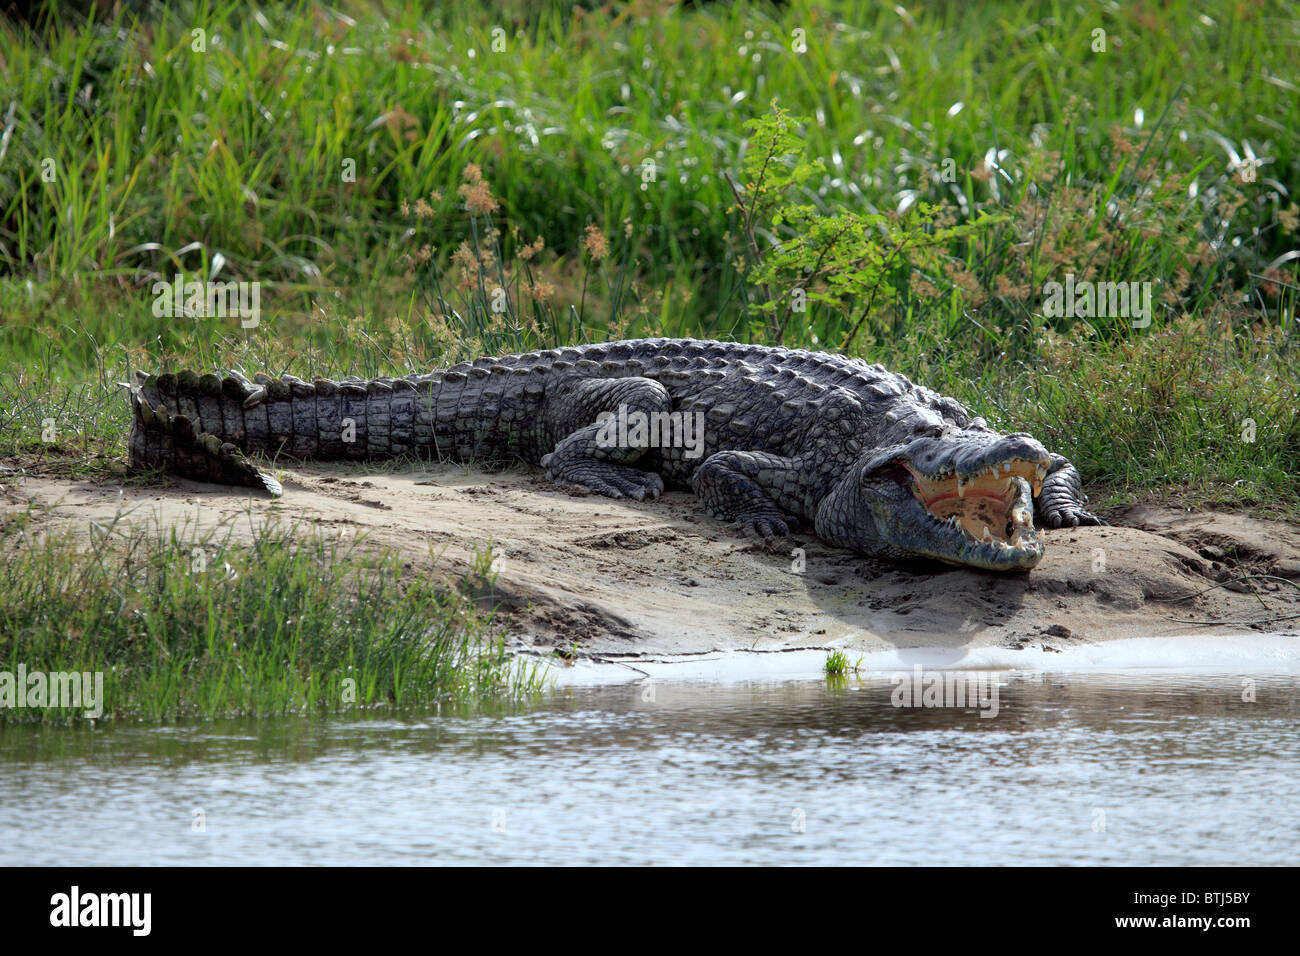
[[625, 579]]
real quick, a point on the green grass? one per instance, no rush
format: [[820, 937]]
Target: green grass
[[166, 157], [837, 665], [582, 170], [188, 624]]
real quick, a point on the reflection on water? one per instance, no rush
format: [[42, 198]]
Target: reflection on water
[[1078, 769]]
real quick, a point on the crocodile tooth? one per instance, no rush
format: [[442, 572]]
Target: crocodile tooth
[[961, 487], [988, 535]]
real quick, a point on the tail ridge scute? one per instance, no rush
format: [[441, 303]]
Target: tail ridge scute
[[166, 440]]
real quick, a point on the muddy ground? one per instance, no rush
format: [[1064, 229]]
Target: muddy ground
[[620, 578]]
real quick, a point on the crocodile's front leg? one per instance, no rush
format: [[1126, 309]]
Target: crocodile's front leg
[[762, 493], [585, 459], [1061, 501]]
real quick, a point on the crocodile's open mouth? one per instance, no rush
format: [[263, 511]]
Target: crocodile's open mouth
[[983, 518], [985, 506]]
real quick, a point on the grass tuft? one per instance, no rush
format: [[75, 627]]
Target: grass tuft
[[183, 623]]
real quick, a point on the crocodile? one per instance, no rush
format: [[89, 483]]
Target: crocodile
[[767, 437]]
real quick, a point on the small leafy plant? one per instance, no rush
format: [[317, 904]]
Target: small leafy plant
[[847, 262]]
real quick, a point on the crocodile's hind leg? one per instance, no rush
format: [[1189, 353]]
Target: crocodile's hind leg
[[760, 492], [596, 457]]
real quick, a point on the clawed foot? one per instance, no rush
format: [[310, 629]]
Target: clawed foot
[[1060, 503], [1071, 518], [773, 528], [604, 478]]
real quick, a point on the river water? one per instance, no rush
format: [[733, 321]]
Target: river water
[[1073, 768]]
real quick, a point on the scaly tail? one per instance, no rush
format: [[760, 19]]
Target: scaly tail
[[203, 426], [164, 438]]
